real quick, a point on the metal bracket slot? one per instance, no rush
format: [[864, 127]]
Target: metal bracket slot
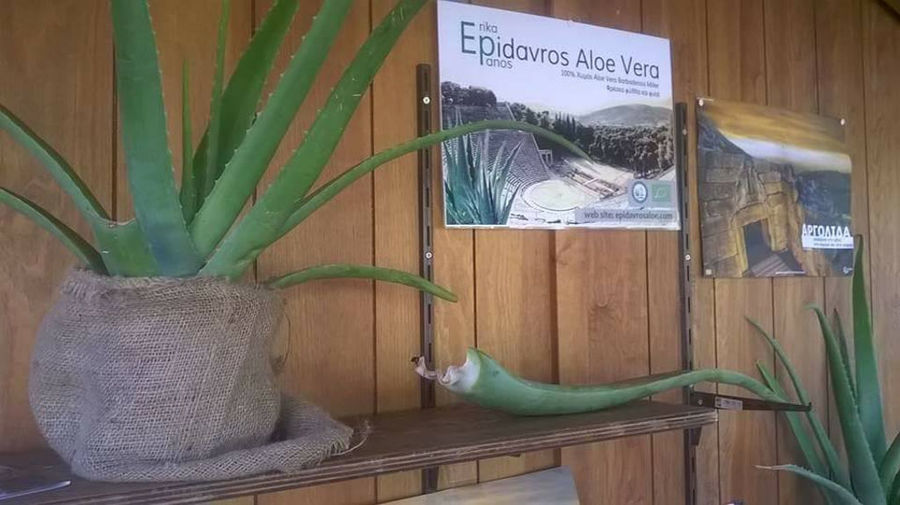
[[424, 126]]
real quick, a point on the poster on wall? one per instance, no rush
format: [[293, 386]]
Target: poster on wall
[[608, 92], [774, 192]]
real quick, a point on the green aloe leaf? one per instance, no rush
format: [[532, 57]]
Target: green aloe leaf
[[838, 471], [863, 470], [243, 245], [868, 392], [338, 271], [188, 191], [244, 89], [55, 164], [150, 175], [841, 492], [210, 170], [69, 237], [275, 205], [845, 350], [240, 176], [890, 466], [125, 250], [813, 459]]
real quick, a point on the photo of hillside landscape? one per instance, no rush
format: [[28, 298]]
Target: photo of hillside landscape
[[501, 177], [774, 191]]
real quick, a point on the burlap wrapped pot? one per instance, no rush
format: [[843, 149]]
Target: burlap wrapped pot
[[160, 379]]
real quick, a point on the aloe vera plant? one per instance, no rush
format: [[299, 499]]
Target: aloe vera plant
[[475, 184], [196, 228], [871, 474]]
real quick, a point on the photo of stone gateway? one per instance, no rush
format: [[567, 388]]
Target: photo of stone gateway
[[774, 192]]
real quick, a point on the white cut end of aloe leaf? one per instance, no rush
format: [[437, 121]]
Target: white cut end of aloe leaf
[[458, 379]]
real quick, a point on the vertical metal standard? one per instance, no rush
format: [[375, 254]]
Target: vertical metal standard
[[692, 436], [424, 121]]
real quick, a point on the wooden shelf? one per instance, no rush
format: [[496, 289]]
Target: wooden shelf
[[398, 441]]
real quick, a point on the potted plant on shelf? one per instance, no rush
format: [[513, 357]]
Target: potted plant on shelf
[[153, 364]]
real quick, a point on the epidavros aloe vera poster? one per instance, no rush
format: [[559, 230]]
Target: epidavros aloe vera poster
[[774, 192], [608, 92]]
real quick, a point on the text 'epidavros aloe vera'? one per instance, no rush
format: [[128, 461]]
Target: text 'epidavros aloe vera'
[[198, 227]]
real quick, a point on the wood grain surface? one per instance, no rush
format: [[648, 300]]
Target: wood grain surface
[[556, 306]]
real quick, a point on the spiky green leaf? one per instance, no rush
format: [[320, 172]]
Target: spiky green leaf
[[889, 470], [143, 121], [863, 469], [55, 164], [188, 190], [839, 491], [234, 256], [69, 237], [338, 271], [868, 388], [213, 133], [795, 422], [845, 350], [237, 182], [244, 89], [838, 470], [275, 205]]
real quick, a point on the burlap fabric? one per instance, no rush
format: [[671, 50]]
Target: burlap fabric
[[160, 379]]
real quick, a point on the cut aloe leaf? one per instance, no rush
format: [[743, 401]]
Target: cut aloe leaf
[[483, 381]]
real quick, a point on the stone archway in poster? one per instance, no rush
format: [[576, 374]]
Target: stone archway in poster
[[774, 192], [608, 92]]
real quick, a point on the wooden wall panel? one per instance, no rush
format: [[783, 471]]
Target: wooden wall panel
[[602, 304], [791, 84], [881, 45], [737, 72], [55, 74], [683, 22], [840, 79], [514, 298], [568, 306], [331, 323]]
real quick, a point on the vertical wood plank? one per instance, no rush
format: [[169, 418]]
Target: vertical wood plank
[[396, 200], [331, 323], [514, 300], [454, 267], [791, 84], [56, 75], [881, 43], [683, 22], [840, 81], [735, 31], [603, 316]]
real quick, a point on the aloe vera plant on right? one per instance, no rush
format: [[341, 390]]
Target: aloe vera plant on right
[[871, 474]]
